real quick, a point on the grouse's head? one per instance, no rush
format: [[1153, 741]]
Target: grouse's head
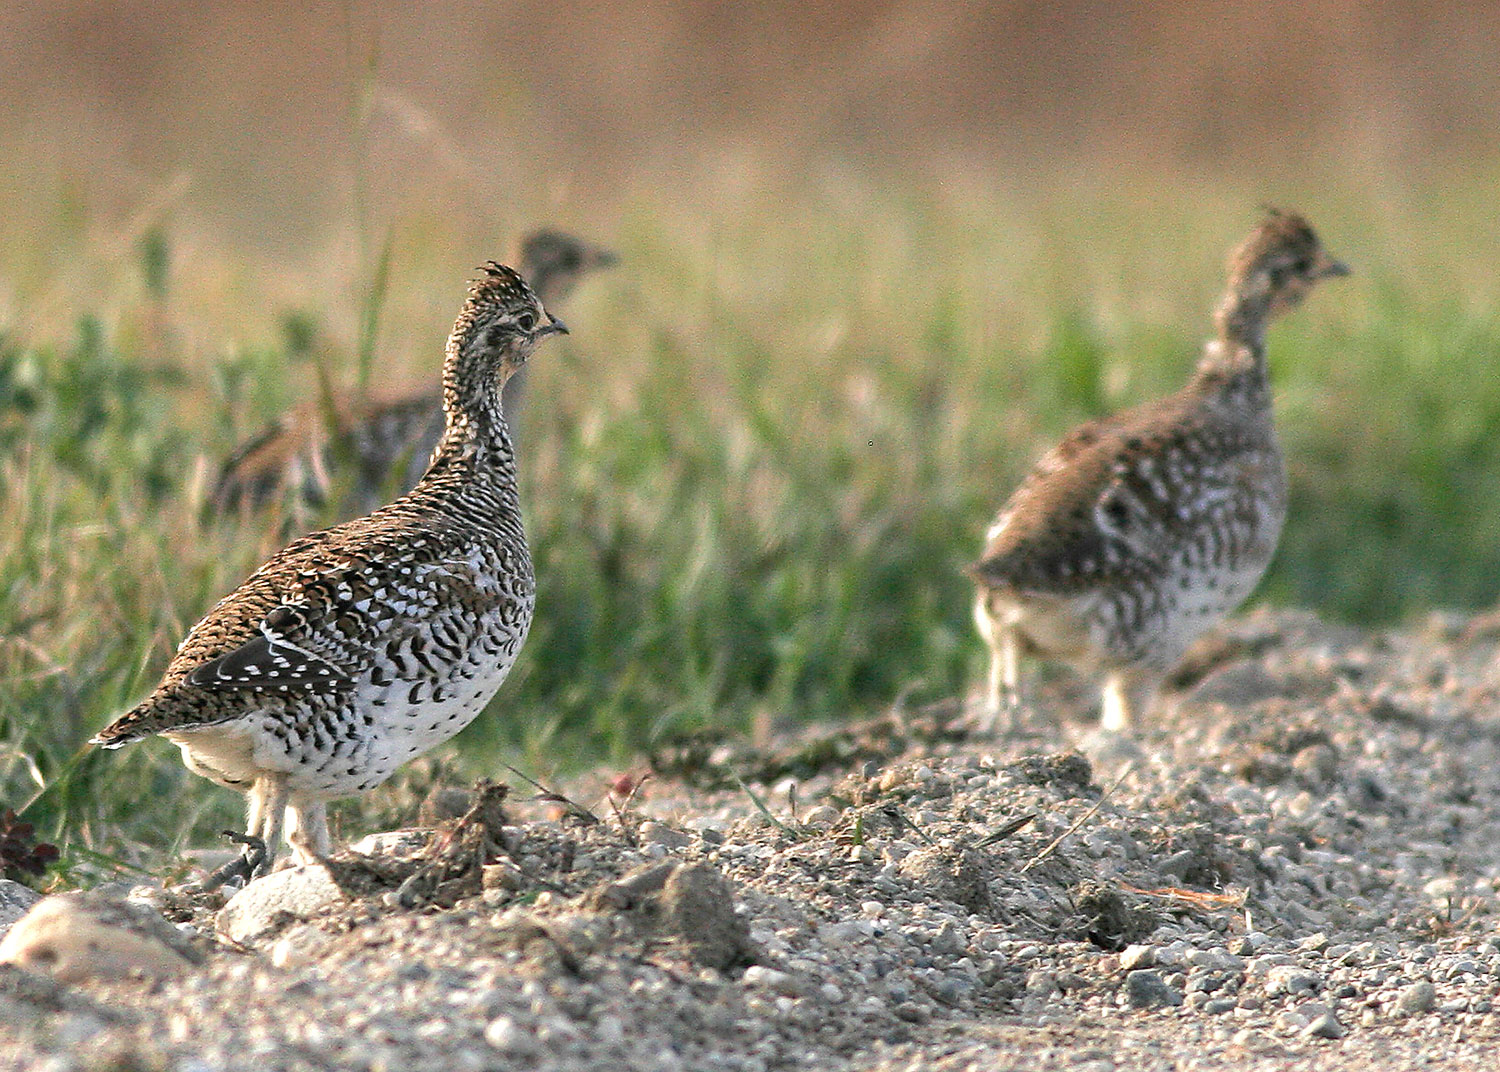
[[502, 321], [1279, 262], [554, 261]]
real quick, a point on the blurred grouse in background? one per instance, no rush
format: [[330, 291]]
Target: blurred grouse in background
[[1139, 531], [367, 450]]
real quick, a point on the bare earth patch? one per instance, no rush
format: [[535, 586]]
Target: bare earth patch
[[1296, 866]]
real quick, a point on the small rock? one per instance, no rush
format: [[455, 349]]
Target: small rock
[[398, 843], [911, 1012], [1290, 979], [268, 904], [1415, 999], [1041, 984], [1325, 1026], [654, 833], [693, 904], [505, 1035], [778, 982], [1314, 943], [285, 953], [698, 904], [78, 936], [15, 901], [1218, 960], [1316, 764], [1069, 981], [1250, 943], [1137, 956], [1179, 865], [632, 890], [1146, 989], [1239, 685], [951, 874], [821, 817], [502, 876]]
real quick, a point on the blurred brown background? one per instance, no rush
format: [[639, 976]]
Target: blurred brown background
[[263, 106]]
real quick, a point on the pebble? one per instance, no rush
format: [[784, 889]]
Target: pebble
[[654, 833], [1290, 979], [1146, 989], [76, 936], [265, 905], [822, 817], [506, 1036], [1325, 1026], [769, 978], [1415, 999], [15, 901]]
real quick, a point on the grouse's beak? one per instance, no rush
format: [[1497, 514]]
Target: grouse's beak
[[1333, 268], [553, 326]]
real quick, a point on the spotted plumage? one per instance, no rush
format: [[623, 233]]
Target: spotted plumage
[[1140, 530], [364, 450], [356, 648]]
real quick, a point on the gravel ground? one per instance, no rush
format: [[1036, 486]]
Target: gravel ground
[[1296, 866]]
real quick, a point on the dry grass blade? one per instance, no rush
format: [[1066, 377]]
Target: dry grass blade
[[895, 815], [1085, 817], [1010, 828], [760, 806], [548, 796], [1197, 898], [622, 810]]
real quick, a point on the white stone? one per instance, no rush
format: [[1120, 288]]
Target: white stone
[[262, 906]]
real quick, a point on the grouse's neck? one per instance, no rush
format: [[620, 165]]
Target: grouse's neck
[[476, 443], [1236, 357]]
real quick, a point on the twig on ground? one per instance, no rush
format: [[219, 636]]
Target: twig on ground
[[1085, 817], [1009, 828]]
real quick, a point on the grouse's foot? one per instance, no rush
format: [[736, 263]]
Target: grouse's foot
[[252, 862]]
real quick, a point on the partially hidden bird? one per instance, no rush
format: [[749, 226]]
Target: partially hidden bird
[[361, 450]]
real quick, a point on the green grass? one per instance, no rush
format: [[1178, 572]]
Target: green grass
[[753, 472]]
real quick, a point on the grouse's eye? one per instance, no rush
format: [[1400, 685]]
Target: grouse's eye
[[526, 322]]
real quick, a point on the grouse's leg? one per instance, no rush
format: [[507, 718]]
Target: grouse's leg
[[1127, 696], [309, 832]]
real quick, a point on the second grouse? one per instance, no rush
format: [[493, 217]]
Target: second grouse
[[1139, 531]]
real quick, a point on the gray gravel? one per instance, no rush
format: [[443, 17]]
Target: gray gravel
[[1296, 866]]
